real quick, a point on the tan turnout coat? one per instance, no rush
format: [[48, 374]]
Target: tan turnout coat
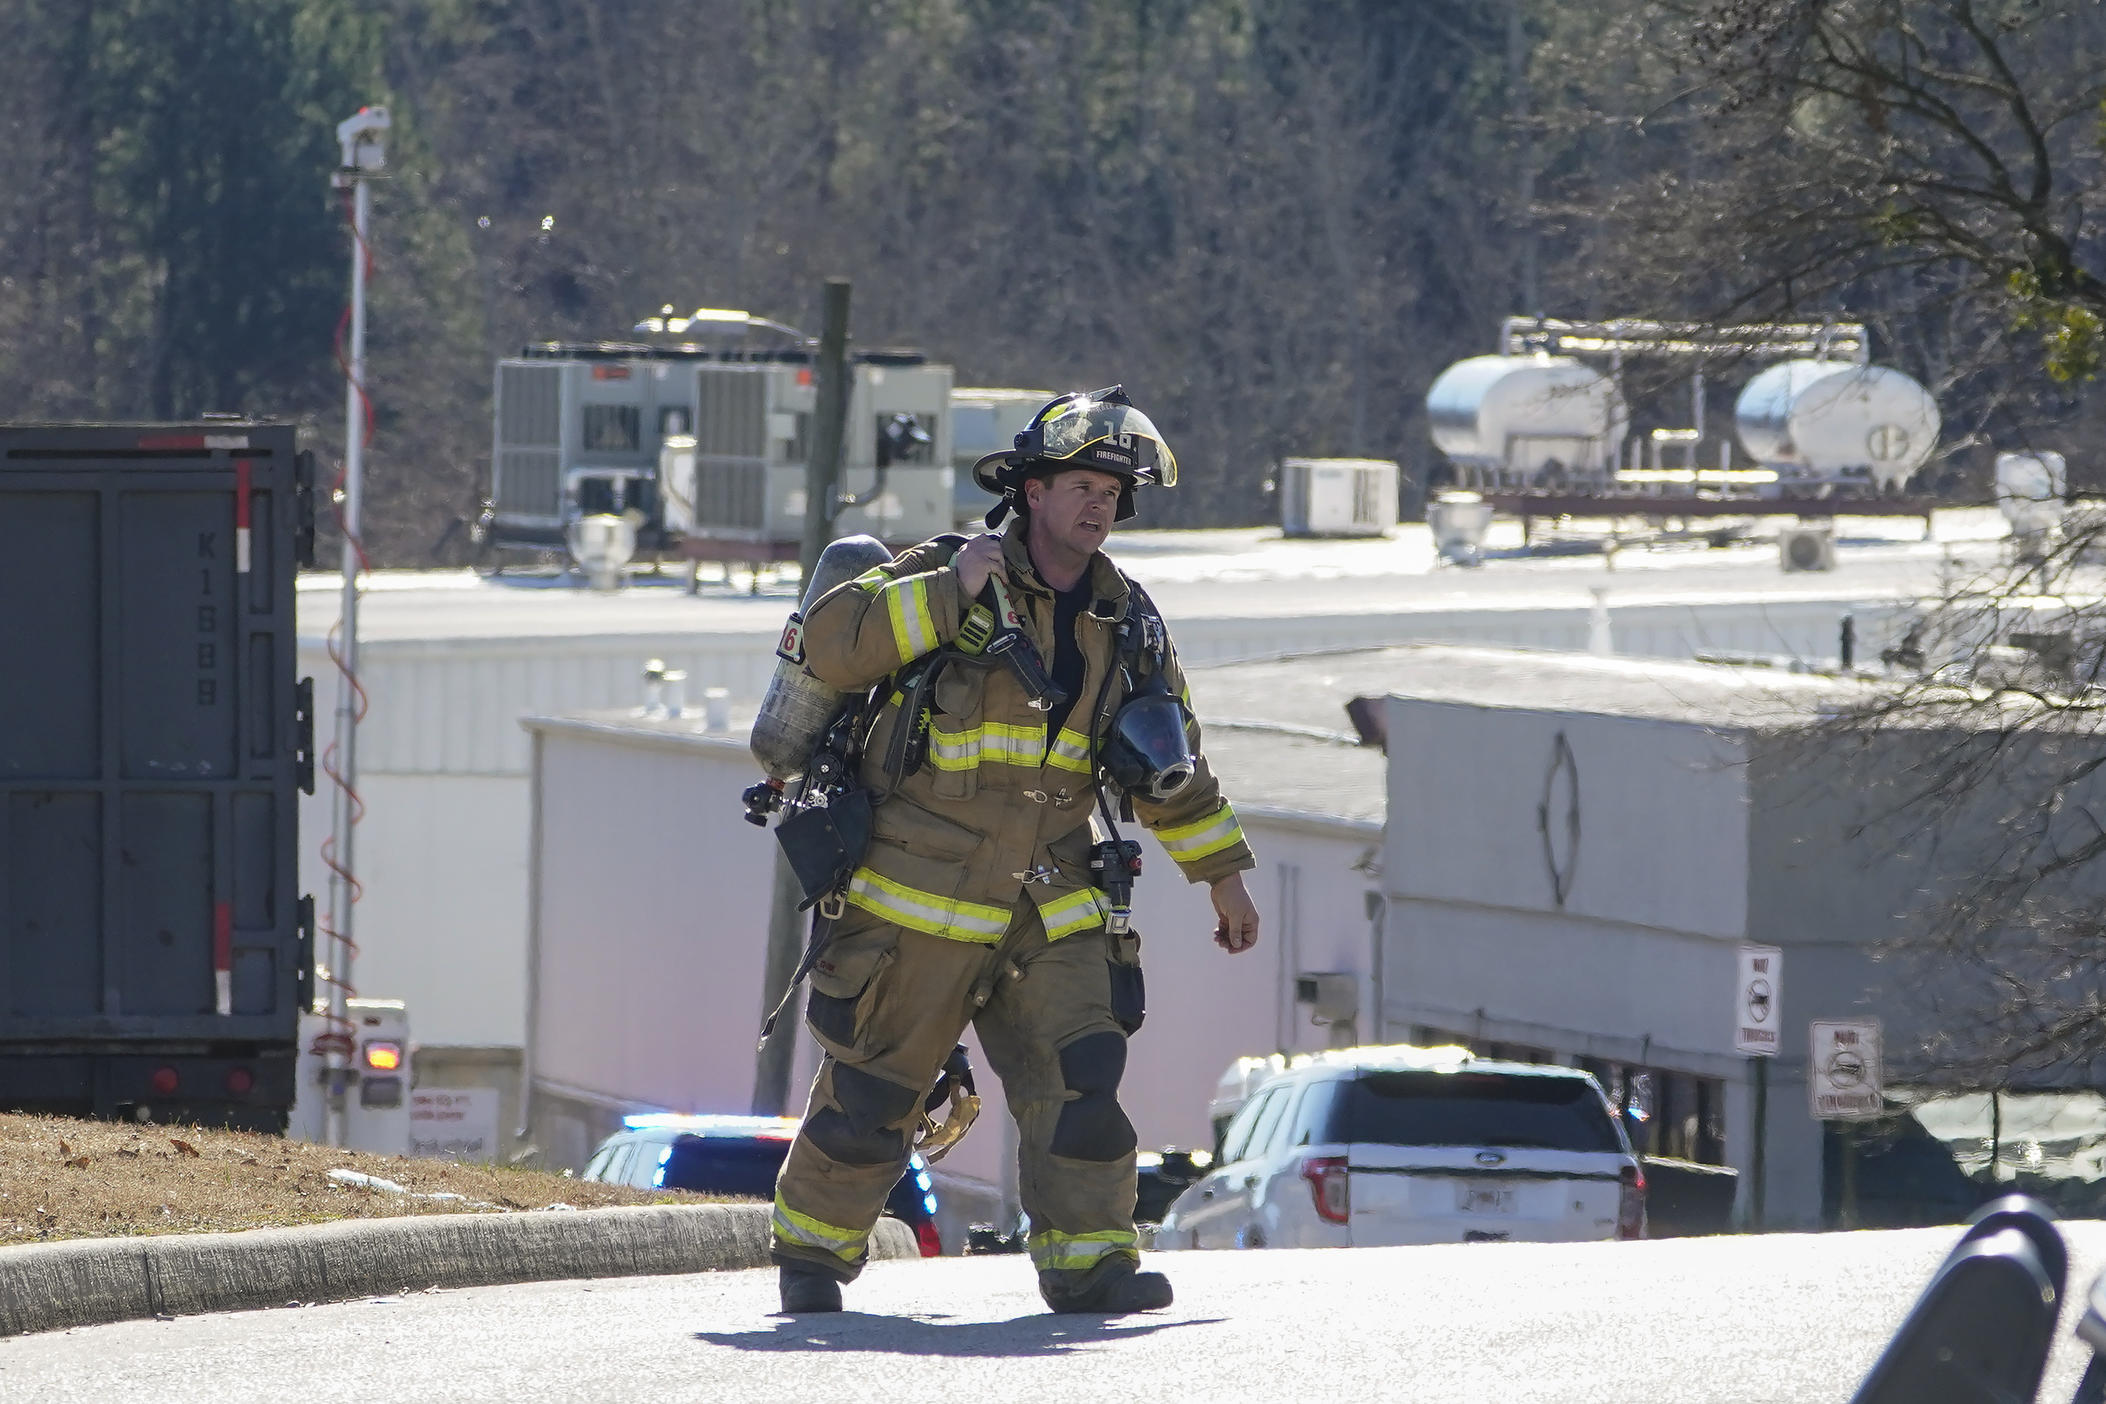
[[998, 807]]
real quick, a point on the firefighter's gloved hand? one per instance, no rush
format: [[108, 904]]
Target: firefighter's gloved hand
[[1236, 924], [975, 561]]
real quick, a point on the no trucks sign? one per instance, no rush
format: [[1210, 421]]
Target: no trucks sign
[[1756, 1020]]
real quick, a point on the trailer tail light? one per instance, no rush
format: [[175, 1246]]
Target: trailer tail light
[[926, 1236], [240, 1081], [1330, 1186], [1630, 1204], [382, 1056], [165, 1081]]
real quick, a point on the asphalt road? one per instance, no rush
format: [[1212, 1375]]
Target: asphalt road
[[1774, 1319]]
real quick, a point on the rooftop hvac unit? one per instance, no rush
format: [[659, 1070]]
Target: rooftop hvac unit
[[985, 420], [1806, 548], [736, 484], [598, 429], [1337, 496]]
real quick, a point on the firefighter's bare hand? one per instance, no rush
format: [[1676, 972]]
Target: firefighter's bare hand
[[975, 561], [1236, 924]]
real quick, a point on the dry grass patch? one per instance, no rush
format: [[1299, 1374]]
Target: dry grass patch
[[61, 1178]]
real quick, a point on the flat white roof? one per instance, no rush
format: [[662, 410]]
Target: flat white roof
[[1248, 573], [1312, 690], [1279, 738]]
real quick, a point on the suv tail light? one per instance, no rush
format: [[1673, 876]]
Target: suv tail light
[[1330, 1187], [925, 1235], [1630, 1204]]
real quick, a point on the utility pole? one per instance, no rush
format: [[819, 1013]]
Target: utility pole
[[822, 472], [364, 142], [822, 490], [1518, 52]]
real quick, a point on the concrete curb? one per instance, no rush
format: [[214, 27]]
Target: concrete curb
[[89, 1282]]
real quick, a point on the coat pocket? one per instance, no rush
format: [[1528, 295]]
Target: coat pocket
[[954, 733], [907, 826], [847, 981]]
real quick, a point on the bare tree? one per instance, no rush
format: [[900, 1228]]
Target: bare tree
[[1929, 166]]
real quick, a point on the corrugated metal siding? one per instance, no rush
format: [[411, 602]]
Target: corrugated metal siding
[[529, 440], [530, 406], [731, 494], [731, 417], [529, 482], [453, 706]]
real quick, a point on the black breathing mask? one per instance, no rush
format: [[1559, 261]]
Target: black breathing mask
[[1148, 753]]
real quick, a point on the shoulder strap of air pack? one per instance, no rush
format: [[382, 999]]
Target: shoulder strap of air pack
[[1146, 644]]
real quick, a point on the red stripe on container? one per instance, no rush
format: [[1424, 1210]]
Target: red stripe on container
[[241, 494], [172, 441], [223, 936]]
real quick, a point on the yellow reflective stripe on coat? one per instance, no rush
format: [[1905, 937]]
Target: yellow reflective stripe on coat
[[1188, 843], [1078, 1252], [1072, 912], [1070, 751], [913, 628], [998, 742], [925, 911], [808, 1232]]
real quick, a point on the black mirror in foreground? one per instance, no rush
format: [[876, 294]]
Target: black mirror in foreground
[[1981, 1331]]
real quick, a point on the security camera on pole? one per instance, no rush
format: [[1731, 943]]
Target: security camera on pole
[[363, 137]]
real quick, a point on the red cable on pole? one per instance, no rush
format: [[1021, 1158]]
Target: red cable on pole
[[340, 1035]]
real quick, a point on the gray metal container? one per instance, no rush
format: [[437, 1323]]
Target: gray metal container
[[798, 707], [154, 946]]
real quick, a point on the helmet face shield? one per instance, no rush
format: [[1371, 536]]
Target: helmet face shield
[[1088, 432]]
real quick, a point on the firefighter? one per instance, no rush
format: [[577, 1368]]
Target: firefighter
[[976, 902]]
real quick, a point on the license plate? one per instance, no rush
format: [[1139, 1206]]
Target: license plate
[[1483, 1199]]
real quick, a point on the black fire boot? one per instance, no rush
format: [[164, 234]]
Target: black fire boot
[[807, 1290], [1111, 1288]]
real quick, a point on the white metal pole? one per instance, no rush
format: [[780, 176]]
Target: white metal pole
[[341, 884]]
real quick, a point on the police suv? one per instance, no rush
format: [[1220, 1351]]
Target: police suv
[[1363, 1147], [737, 1155]]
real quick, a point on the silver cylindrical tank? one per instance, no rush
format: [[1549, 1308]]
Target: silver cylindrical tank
[[1835, 421], [1520, 414], [797, 707]]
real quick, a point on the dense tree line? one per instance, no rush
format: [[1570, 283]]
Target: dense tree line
[[1276, 220]]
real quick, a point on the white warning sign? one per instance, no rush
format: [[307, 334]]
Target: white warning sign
[[1757, 1019], [1843, 1073]]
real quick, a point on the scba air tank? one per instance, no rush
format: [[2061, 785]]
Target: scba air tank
[[798, 707]]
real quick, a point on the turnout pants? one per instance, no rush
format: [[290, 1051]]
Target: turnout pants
[[888, 1004]]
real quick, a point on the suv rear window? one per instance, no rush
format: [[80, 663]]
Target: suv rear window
[[1473, 1109]]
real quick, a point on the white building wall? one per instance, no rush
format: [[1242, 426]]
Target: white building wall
[[441, 923], [1474, 803], [653, 923], [1639, 965], [1206, 1007]]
